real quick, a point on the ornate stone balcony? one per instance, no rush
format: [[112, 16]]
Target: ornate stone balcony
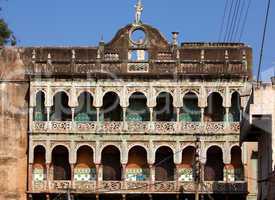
[[139, 187], [136, 127]]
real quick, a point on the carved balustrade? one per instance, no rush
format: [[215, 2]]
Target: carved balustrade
[[165, 186], [85, 186], [111, 127], [62, 126], [39, 186], [110, 186], [138, 127], [223, 187], [137, 186], [141, 187], [60, 186]]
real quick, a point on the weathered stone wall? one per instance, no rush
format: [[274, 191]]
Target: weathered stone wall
[[13, 126]]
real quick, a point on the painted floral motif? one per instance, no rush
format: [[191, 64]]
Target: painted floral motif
[[38, 174], [185, 174], [137, 174], [85, 174]]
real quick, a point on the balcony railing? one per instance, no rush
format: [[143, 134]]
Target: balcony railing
[[137, 127], [139, 187]]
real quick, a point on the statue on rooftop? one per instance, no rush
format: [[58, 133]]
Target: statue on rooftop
[[139, 9]]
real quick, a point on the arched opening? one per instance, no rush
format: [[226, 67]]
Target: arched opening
[[137, 168], [110, 159], [235, 107], [215, 111], [39, 163], [40, 113], [112, 110], [60, 111], [236, 162], [190, 111], [85, 169], [186, 172], [85, 110], [138, 110], [61, 165], [214, 164], [164, 111], [164, 165]]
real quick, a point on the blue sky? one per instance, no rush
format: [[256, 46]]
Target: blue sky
[[81, 22]]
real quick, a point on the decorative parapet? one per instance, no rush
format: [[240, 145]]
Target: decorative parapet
[[153, 67], [137, 127]]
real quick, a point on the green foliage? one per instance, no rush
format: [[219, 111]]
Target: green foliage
[[6, 36]]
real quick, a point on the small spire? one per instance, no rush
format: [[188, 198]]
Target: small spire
[[175, 38], [139, 9], [49, 59], [202, 55], [73, 54], [33, 55], [226, 55]]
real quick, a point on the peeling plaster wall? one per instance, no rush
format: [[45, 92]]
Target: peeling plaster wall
[[13, 126]]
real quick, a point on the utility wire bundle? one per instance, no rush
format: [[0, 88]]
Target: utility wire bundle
[[234, 20]]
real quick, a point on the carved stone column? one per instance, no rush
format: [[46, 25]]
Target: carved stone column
[[202, 171], [73, 113], [227, 114], [72, 173], [124, 118], [151, 114], [30, 171], [151, 124], [202, 114], [152, 175], [178, 114], [123, 175], [177, 176], [30, 117], [48, 175], [48, 109], [47, 197], [98, 114], [98, 118], [98, 174]]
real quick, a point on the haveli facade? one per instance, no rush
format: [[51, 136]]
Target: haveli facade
[[138, 117]]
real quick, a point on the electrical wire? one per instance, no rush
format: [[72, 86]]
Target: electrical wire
[[223, 19], [239, 19], [263, 40], [232, 21], [228, 20], [235, 21], [245, 20]]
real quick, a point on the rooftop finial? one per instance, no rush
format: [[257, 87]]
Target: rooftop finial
[[139, 9]]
